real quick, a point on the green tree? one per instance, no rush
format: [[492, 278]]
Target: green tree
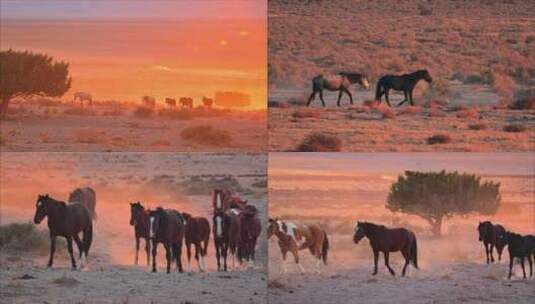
[[435, 196], [24, 74]]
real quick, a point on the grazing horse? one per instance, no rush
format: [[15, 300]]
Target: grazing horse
[[227, 236], [197, 232], [166, 226], [66, 221], [170, 102], [519, 247], [186, 102], [87, 197], [250, 231], [388, 240], [489, 234], [82, 96], [222, 199], [293, 237], [405, 83], [148, 101], [207, 102], [340, 82], [139, 218]]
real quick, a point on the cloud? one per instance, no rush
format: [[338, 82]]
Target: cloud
[[162, 68]]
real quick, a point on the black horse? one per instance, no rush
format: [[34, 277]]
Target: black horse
[[405, 83], [340, 82], [66, 221], [139, 218], [388, 240], [166, 226], [519, 247], [489, 235]]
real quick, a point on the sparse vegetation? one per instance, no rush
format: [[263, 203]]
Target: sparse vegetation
[[306, 113], [514, 128], [176, 114], [477, 126], [319, 142], [201, 185], [23, 237], [143, 112], [206, 135], [386, 112], [439, 139]]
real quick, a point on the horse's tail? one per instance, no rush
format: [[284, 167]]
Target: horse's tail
[[206, 241], [325, 249], [378, 91], [88, 237], [414, 253]]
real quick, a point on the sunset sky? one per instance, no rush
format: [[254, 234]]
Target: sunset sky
[[125, 49]]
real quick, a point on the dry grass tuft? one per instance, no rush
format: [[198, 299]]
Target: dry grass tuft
[[386, 112], [319, 142], [439, 139], [477, 126], [372, 103], [514, 128], [306, 113], [206, 135], [410, 110], [468, 113], [23, 237]]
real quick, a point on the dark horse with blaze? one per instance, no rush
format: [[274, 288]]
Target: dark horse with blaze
[[405, 83], [489, 235], [66, 220], [387, 240], [139, 218], [166, 226]]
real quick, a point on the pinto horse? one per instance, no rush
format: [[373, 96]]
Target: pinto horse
[[166, 226], [388, 240], [87, 197], [405, 83], [222, 199], [197, 232], [250, 231], [489, 234], [520, 247], [227, 236], [66, 221], [293, 237], [340, 82], [139, 218]]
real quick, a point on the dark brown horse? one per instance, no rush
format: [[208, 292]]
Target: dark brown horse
[[197, 232], [250, 231], [186, 102], [405, 83], [166, 226], [66, 221], [223, 199], [139, 218], [489, 234], [87, 197], [340, 82], [387, 240], [227, 236], [519, 247]]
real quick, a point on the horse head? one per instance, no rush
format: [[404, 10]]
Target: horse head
[[426, 76], [186, 217], [136, 211], [41, 208], [360, 231], [273, 227], [483, 229]]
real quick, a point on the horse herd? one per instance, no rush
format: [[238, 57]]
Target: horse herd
[[149, 101], [341, 82], [236, 227], [293, 237]]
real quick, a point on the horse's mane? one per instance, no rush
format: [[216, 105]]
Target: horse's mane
[[49, 199], [373, 226]]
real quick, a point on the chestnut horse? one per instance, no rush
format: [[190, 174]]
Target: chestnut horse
[[87, 197], [223, 199], [227, 236], [66, 221], [293, 237], [340, 82], [166, 226], [139, 218], [197, 232], [186, 102], [489, 234], [388, 240], [250, 231]]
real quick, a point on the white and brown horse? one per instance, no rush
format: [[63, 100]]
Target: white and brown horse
[[197, 232], [340, 82], [294, 237]]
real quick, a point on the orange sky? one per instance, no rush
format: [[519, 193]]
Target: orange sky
[[125, 59]]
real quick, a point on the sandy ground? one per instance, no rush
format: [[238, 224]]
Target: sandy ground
[[362, 128], [35, 128], [337, 190], [156, 179]]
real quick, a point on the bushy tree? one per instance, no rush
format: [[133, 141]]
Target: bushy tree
[[24, 74], [435, 196]]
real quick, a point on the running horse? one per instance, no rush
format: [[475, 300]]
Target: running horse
[[519, 247], [139, 218], [83, 96], [388, 240], [197, 232], [489, 235], [405, 83], [340, 82], [293, 237], [66, 220], [227, 236], [223, 199], [166, 226], [250, 231]]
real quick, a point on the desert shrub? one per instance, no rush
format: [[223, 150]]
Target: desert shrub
[[439, 139], [176, 114], [386, 112], [306, 113], [410, 110], [319, 142], [514, 128], [468, 113], [87, 136], [503, 85], [23, 237], [435, 103], [143, 112], [457, 108], [523, 100], [206, 135], [80, 111], [477, 126], [372, 103]]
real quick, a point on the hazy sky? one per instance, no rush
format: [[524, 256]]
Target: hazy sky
[[132, 9]]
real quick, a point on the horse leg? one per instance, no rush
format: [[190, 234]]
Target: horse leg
[[375, 261], [321, 98], [168, 256], [410, 96], [349, 94], [511, 258], [178, 256], [387, 257], [52, 250], [147, 250], [80, 250], [154, 251], [198, 256], [284, 269], [69, 247], [523, 268], [137, 251], [407, 256], [311, 98], [217, 255], [491, 252], [339, 97], [225, 254], [188, 254], [405, 99], [296, 259], [386, 98], [487, 251], [530, 266]]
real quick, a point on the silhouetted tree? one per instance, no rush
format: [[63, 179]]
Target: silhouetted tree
[[438, 195], [24, 74]]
